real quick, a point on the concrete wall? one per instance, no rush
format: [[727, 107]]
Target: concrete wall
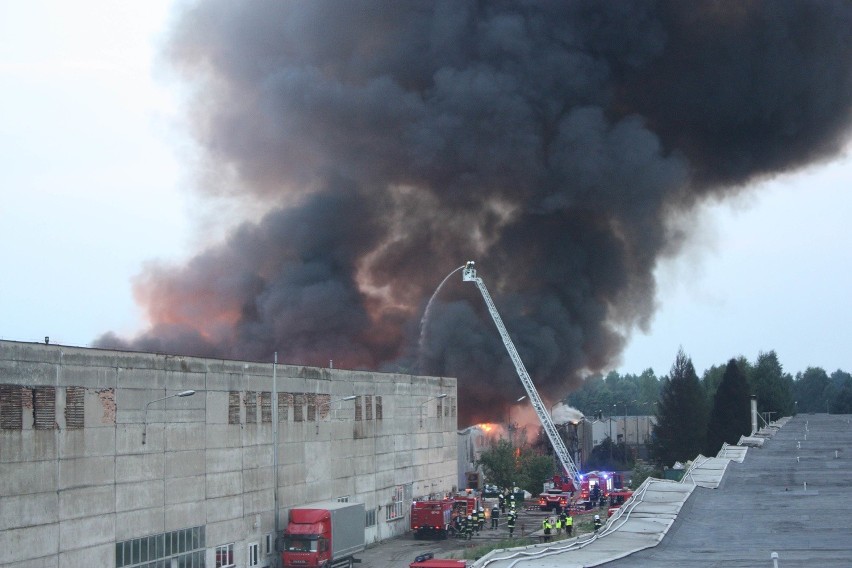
[[68, 495], [637, 429]]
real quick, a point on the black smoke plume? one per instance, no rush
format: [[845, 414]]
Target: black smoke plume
[[553, 142]]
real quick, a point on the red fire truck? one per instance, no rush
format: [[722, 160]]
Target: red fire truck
[[617, 498], [432, 518]]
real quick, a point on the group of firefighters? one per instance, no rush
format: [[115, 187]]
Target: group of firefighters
[[563, 519], [475, 522]]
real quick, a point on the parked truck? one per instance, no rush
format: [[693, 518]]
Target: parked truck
[[432, 518], [324, 535]]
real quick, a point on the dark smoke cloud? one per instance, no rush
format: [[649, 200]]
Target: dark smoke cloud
[[553, 142]]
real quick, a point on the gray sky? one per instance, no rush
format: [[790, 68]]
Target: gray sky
[[96, 182]]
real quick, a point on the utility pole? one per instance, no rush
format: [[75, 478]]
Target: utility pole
[[276, 562]]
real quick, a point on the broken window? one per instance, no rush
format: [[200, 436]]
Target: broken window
[[266, 407], [251, 407], [285, 401], [10, 407], [75, 398], [234, 407], [312, 407], [323, 405], [44, 408], [298, 408]]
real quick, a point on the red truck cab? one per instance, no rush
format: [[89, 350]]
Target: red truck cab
[[557, 494], [553, 499], [617, 499], [323, 534]]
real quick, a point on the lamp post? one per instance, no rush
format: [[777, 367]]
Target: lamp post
[[424, 403], [181, 394]]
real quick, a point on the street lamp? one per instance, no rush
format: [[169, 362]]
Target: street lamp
[[427, 401], [181, 394]]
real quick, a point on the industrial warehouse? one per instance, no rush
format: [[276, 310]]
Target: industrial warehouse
[[111, 458]]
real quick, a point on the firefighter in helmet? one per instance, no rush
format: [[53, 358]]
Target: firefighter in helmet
[[597, 522], [480, 520], [468, 527], [510, 522]]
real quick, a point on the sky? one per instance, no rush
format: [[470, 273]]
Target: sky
[[96, 182]]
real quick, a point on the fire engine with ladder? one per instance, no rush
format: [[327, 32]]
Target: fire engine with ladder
[[469, 275]]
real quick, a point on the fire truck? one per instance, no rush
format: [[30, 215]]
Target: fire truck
[[554, 499], [618, 498], [432, 518], [469, 275]]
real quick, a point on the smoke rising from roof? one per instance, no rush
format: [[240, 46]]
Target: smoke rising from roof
[[553, 142]]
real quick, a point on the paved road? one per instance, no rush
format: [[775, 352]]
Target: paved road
[[401, 551]]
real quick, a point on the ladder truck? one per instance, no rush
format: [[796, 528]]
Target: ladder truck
[[469, 275]]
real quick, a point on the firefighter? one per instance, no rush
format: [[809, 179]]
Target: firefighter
[[569, 524], [546, 528], [457, 520], [558, 524], [597, 522], [468, 527], [512, 500], [502, 498], [481, 518], [495, 514], [510, 522]]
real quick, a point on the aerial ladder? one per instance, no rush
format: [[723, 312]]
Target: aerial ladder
[[469, 275]]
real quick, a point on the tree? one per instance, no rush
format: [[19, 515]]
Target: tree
[[730, 416], [711, 380], [498, 463], [834, 392], [774, 389], [679, 434], [839, 392], [641, 472], [505, 465], [609, 456], [649, 387], [809, 390]]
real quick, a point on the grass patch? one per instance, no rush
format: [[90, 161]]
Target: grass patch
[[477, 552]]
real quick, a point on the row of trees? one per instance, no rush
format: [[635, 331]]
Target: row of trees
[[693, 415], [812, 390]]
